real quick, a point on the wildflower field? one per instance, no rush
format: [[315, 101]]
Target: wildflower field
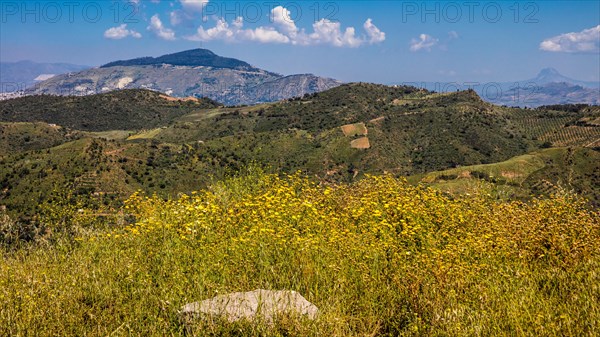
[[378, 257]]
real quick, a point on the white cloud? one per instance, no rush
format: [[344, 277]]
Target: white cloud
[[220, 31], [121, 32], [281, 17], [235, 32], [193, 5], [328, 32], [375, 35], [424, 42], [586, 41], [452, 35], [190, 10], [238, 22], [284, 30], [156, 26], [266, 35]]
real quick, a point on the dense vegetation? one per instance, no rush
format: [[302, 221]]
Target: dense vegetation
[[378, 257], [410, 131], [22, 137], [191, 58], [117, 110], [544, 172], [117, 209], [568, 107]]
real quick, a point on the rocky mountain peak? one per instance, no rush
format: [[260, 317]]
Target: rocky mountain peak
[[551, 75]]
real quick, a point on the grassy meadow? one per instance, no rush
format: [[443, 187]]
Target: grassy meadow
[[378, 257]]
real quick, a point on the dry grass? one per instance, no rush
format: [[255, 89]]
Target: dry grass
[[379, 258], [180, 99], [360, 143], [357, 129]]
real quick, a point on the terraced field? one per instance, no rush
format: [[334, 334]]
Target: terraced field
[[558, 128], [586, 136], [545, 172]]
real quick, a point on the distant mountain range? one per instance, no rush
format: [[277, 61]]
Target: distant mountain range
[[551, 75], [547, 88], [202, 73], [17, 76], [197, 73]]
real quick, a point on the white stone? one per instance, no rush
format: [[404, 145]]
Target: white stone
[[247, 305]]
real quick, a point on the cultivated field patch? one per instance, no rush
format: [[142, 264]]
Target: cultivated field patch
[[360, 143], [356, 129]]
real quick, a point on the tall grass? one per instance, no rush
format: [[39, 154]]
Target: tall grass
[[378, 257]]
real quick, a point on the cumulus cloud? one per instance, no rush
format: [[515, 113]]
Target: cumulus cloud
[[375, 35], [190, 11], [284, 30], [220, 31], [329, 32], [157, 27], [235, 32], [586, 41], [424, 42], [281, 18], [121, 32], [265, 35]]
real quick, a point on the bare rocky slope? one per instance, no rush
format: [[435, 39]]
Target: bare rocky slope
[[197, 72]]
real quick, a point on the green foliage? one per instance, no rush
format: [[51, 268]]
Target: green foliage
[[123, 109], [411, 131], [20, 137], [191, 58], [572, 127], [417, 131], [14, 234], [540, 173], [570, 108], [378, 257]]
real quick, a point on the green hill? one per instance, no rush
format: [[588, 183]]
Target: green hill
[[337, 135], [192, 58], [561, 125], [409, 130], [123, 109], [17, 137], [544, 172], [98, 171]]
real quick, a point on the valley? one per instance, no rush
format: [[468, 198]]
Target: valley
[[219, 168], [104, 147], [131, 190], [137, 199]]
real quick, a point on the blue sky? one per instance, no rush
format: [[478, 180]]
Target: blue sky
[[371, 41]]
